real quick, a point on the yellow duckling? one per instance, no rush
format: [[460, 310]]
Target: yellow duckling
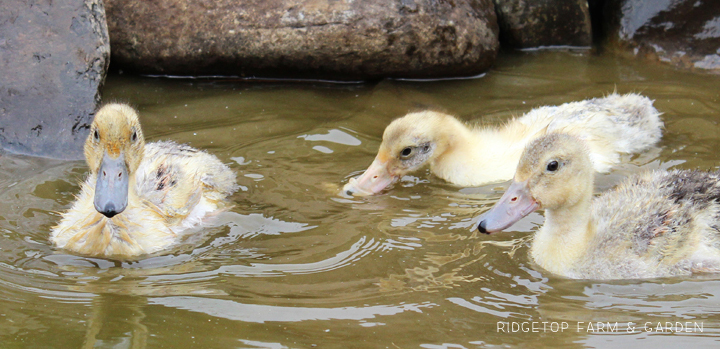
[[138, 197], [475, 156], [653, 225]]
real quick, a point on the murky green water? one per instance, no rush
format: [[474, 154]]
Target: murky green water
[[295, 265]]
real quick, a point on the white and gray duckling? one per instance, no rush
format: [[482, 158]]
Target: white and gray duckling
[[654, 224], [468, 156]]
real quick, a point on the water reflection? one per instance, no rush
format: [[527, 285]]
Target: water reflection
[[102, 331], [262, 313]]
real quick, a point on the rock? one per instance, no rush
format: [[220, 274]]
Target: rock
[[343, 39], [54, 57], [684, 33], [539, 23]]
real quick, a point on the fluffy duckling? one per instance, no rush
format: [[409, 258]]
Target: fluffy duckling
[[475, 156], [138, 197], [653, 225]]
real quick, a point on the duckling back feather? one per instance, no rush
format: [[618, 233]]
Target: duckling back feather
[[184, 183], [656, 224], [610, 126]]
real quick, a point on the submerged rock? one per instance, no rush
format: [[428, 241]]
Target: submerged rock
[[542, 23], [685, 33], [342, 39], [54, 57]]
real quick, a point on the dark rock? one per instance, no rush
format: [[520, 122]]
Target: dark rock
[[542, 23], [685, 33], [341, 39], [597, 17], [54, 56]]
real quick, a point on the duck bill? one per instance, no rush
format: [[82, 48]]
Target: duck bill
[[516, 203], [375, 179], [111, 188]]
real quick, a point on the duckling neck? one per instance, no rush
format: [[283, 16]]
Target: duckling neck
[[563, 240], [481, 155], [450, 160], [475, 157]]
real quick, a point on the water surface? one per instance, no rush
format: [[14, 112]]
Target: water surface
[[296, 265]]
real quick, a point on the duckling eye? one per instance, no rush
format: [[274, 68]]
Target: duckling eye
[[553, 166], [96, 135], [406, 152], [134, 136]]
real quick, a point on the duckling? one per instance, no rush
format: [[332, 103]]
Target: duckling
[[475, 156], [655, 224], [138, 197]]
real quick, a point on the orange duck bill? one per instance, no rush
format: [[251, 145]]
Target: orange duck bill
[[516, 203]]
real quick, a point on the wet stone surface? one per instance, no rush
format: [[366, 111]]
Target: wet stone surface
[[54, 57], [542, 23], [311, 38], [684, 33]]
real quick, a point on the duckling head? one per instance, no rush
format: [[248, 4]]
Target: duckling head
[[554, 172], [408, 143], [113, 151]]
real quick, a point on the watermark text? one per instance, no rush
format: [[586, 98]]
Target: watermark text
[[599, 327]]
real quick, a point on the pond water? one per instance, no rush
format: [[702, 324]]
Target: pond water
[[296, 265]]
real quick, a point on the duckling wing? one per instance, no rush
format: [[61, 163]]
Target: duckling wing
[[610, 125], [177, 179], [659, 224]]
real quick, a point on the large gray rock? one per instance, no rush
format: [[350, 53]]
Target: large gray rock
[[53, 58], [685, 33], [343, 39], [538, 23]]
